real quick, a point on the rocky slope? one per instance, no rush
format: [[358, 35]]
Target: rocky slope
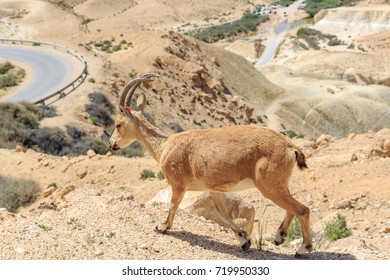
[[95, 207]]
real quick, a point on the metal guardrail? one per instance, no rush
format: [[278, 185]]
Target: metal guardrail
[[73, 84]]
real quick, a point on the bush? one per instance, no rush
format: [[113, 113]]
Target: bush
[[147, 173], [5, 67], [16, 121], [248, 22], [8, 80], [337, 229], [100, 109], [75, 132], [294, 231], [160, 175], [96, 144], [312, 36], [314, 6], [50, 140], [134, 150], [15, 193], [335, 42]]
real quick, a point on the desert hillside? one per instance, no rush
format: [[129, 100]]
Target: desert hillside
[[96, 207], [334, 97]]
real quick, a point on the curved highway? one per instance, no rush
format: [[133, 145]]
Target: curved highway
[[50, 72], [279, 33]]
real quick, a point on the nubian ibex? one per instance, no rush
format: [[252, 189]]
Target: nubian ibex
[[217, 160]]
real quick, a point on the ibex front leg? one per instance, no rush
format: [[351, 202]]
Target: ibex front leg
[[177, 197], [220, 202]]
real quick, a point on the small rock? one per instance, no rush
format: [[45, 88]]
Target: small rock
[[386, 230], [323, 140], [67, 190], [345, 204], [49, 191], [91, 153], [361, 205], [81, 175], [386, 146], [354, 158], [143, 246], [351, 136], [20, 250], [99, 253], [20, 149]]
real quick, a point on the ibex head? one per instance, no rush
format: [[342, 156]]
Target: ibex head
[[126, 124]]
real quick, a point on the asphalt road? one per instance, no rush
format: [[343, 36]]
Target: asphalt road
[[278, 36], [50, 72], [270, 50]]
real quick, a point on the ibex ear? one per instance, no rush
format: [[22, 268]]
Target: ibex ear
[[126, 111], [141, 102]]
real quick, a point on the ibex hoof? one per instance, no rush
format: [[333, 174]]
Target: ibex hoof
[[279, 238], [162, 228], [246, 245], [303, 251]]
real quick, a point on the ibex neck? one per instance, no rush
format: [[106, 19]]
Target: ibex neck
[[151, 137]]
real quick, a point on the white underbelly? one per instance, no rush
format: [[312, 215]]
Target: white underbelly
[[199, 185]]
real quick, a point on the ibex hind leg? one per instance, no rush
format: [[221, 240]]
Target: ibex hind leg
[[281, 197]]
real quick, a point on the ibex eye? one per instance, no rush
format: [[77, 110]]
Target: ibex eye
[[118, 126]]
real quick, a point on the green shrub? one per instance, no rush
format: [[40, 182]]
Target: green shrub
[[50, 140], [314, 6], [147, 173], [312, 36], [294, 231], [134, 150], [160, 175], [247, 23], [337, 229], [96, 144], [15, 193], [335, 42], [100, 109], [116, 48], [8, 80], [16, 122], [5, 67]]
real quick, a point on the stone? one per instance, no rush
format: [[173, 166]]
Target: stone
[[99, 253], [20, 250], [82, 174], [354, 157], [50, 190], [323, 140], [241, 212], [386, 146], [67, 190], [91, 153], [351, 136], [345, 204]]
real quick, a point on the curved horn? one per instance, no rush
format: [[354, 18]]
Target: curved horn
[[130, 87]]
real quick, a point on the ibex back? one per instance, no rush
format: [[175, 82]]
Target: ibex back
[[217, 160]]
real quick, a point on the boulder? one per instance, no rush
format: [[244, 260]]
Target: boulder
[[241, 212], [202, 204]]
